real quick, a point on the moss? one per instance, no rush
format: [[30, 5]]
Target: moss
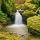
[[28, 13], [34, 23], [8, 36], [18, 6]]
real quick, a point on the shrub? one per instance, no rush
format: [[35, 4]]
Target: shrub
[[30, 6], [8, 6], [34, 23], [28, 13], [3, 18]]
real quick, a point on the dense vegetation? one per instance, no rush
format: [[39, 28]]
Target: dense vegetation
[[33, 24], [8, 6], [3, 18], [31, 15]]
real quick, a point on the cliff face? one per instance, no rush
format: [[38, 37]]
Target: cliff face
[[20, 1]]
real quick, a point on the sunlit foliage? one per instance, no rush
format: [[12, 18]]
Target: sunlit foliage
[[34, 22]]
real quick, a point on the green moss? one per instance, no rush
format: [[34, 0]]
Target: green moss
[[34, 23], [18, 6], [8, 36], [28, 13]]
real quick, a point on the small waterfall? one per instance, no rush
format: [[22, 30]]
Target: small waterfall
[[18, 27], [18, 18]]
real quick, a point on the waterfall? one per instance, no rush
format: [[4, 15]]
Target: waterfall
[[18, 27], [18, 18]]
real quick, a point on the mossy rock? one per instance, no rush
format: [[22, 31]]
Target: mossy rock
[[28, 13], [33, 24]]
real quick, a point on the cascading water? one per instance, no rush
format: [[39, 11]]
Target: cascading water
[[19, 28], [18, 18]]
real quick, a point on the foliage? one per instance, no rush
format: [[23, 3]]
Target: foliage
[[3, 18], [8, 6], [34, 22], [26, 6], [8, 36], [36, 1], [28, 13], [30, 6], [0, 1], [28, 1], [19, 6]]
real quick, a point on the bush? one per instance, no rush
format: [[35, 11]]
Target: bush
[[8, 36], [30, 6], [28, 13], [26, 6], [34, 23], [8, 6], [35, 1], [3, 18], [19, 6]]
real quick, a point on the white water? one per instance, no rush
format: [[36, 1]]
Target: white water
[[18, 18], [18, 27]]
